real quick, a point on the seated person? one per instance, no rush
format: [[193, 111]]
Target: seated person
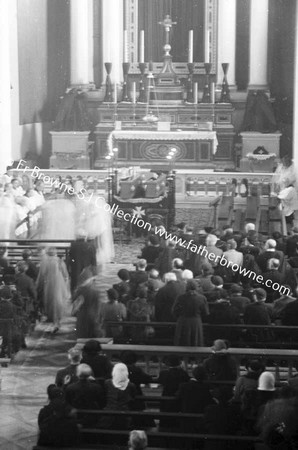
[[151, 252], [53, 393], [60, 429], [99, 363], [68, 375], [123, 288]]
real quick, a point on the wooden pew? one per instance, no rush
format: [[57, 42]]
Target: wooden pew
[[189, 355], [244, 335]]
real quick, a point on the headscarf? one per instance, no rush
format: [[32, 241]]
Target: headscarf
[[120, 376]]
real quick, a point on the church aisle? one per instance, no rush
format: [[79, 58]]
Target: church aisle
[[25, 380]]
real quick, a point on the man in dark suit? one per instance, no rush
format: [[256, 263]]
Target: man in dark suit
[[68, 375], [292, 244], [269, 253], [138, 277], [82, 254]]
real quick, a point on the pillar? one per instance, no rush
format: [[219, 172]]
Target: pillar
[[5, 88], [112, 28], [226, 40], [81, 43], [258, 51], [295, 106]]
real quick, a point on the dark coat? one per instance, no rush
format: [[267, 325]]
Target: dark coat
[[189, 309], [68, 372], [257, 314], [165, 299], [221, 366], [81, 255], [100, 364]]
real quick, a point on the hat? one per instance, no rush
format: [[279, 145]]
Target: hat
[[5, 292], [123, 274], [260, 293], [154, 240], [219, 345], [92, 347], [216, 280], [236, 288], [266, 382], [255, 365], [112, 294]]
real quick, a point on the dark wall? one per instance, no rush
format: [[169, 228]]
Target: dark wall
[[281, 55], [44, 57]]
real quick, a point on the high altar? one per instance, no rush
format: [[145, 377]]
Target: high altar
[[168, 116]]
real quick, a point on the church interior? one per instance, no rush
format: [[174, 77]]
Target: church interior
[[148, 224]]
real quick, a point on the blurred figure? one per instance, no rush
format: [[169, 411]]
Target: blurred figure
[[68, 375], [137, 440], [53, 284]]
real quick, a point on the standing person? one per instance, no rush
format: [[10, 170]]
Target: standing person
[[285, 175], [189, 309], [52, 282], [86, 307], [112, 311], [82, 254]]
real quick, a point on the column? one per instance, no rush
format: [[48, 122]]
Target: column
[[81, 43], [5, 87], [112, 32], [258, 45], [295, 106], [226, 40]]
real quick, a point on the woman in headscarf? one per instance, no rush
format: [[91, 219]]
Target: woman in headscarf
[[53, 285], [120, 396]]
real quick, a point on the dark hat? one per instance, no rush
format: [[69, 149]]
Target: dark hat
[[216, 280], [236, 288], [92, 347], [123, 274], [199, 372], [191, 285], [255, 365], [260, 293], [5, 292], [112, 294], [173, 361], [154, 240]]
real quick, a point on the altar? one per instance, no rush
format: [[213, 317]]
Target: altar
[[161, 148], [203, 135]]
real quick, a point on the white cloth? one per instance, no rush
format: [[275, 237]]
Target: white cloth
[[289, 200], [58, 220], [120, 376], [284, 176]]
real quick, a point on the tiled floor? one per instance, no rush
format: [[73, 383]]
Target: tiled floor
[[24, 381]]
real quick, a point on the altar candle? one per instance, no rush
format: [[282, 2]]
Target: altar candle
[[115, 93], [195, 93], [150, 66], [142, 46], [125, 46], [212, 92], [190, 46], [207, 46], [134, 93]]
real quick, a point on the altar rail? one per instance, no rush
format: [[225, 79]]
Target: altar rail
[[190, 184]]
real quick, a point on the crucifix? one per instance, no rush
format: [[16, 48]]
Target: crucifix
[[167, 24]]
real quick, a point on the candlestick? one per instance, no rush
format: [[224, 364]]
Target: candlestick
[[134, 92], [115, 93], [125, 46], [195, 92], [125, 67], [212, 93], [189, 97], [190, 46], [150, 66], [108, 95], [142, 95], [207, 46], [142, 47]]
